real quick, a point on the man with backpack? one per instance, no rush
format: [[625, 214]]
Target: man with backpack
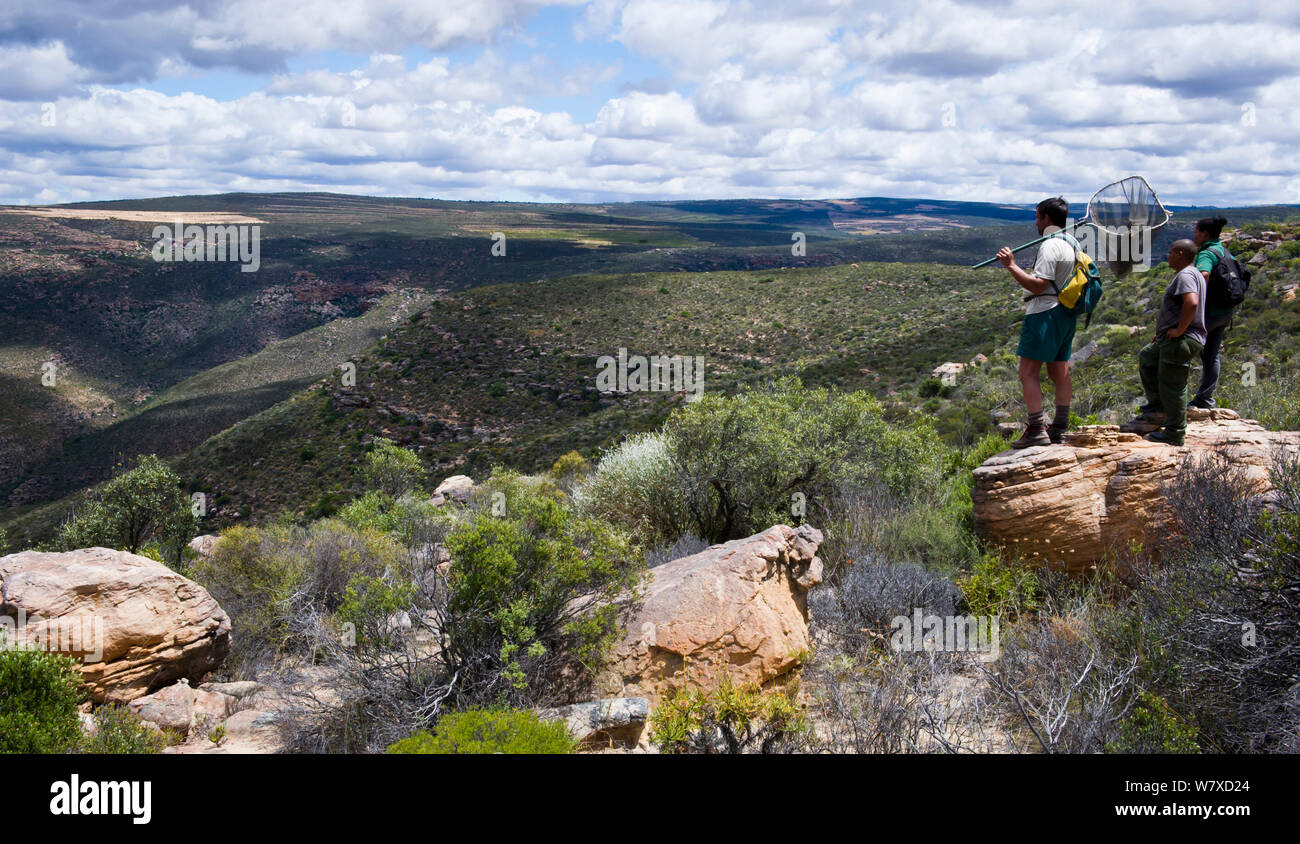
[[1226, 283], [1047, 332], [1166, 362]]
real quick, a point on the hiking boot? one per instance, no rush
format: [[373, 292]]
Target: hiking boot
[[1164, 438], [1151, 409], [1033, 435], [1203, 404], [1056, 433]]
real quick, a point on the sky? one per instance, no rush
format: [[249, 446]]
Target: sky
[[619, 100]]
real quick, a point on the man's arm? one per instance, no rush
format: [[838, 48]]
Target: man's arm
[[1029, 281], [1190, 303]]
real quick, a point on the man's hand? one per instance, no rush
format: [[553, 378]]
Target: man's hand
[[1006, 256]]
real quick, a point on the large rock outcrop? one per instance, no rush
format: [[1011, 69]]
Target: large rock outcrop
[[1104, 487], [137, 625], [738, 608]]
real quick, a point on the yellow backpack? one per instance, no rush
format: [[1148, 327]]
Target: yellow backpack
[[1083, 291]]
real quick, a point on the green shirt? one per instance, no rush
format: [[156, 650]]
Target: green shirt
[[1206, 261]]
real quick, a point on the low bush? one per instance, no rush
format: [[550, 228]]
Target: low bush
[[635, 487], [38, 707], [734, 718], [490, 731], [1000, 588], [1153, 727], [119, 730]]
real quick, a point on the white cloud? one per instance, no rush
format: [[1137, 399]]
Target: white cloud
[[966, 100]]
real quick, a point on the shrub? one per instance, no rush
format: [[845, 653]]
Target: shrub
[[371, 605], [268, 578], [119, 730], [1216, 621], [742, 460], [998, 588], [635, 486], [731, 719], [38, 707], [139, 506], [529, 591], [859, 607], [684, 546], [1152, 727], [490, 731], [412, 520], [569, 468], [391, 469], [253, 577]]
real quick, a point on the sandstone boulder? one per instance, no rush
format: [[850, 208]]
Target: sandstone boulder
[[736, 608], [616, 721], [1104, 487], [136, 625], [203, 545], [181, 709], [456, 488]]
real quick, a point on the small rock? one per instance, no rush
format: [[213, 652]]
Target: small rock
[[619, 720], [203, 545], [456, 488]]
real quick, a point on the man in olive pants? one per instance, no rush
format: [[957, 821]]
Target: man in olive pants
[[1180, 335]]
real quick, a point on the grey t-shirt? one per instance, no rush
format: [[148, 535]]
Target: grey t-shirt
[[1188, 280]]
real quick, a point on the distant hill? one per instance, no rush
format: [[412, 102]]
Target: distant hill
[[161, 357]]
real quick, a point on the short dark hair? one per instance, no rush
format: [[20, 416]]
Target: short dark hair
[[1186, 247], [1055, 209], [1212, 225]]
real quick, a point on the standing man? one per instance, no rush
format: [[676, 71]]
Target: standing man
[[1180, 335], [1217, 320], [1048, 330]]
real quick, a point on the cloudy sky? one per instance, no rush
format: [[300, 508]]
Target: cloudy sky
[[633, 99]]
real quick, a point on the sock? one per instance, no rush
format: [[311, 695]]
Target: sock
[[1062, 419], [1036, 420]]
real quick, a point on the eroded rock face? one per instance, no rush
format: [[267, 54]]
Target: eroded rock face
[[138, 625], [456, 488], [616, 721], [738, 608], [1104, 487]]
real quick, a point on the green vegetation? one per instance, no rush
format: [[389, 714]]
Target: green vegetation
[[140, 507], [532, 580], [1152, 727], [38, 710], [734, 718], [391, 470], [490, 731], [726, 467], [119, 730]]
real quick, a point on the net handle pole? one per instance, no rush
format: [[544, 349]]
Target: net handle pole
[[1072, 227]]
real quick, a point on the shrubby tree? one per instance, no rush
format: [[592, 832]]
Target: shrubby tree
[[529, 591], [391, 469], [744, 458], [726, 467], [144, 506]]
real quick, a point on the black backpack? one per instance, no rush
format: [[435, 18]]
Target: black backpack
[[1229, 281]]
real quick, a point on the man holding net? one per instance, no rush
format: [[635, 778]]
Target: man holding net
[[1047, 332]]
